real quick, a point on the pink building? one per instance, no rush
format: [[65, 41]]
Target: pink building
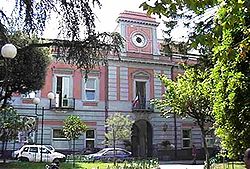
[[112, 89]]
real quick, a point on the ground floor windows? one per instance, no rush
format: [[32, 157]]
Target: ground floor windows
[[58, 134], [90, 139], [210, 138], [186, 138]]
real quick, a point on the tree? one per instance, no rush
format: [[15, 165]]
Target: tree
[[26, 72], [75, 18], [222, 37], [196, 15], [73, 128], [10, 124], [231, 74], [81, 45], [119, 128], [188, 97]]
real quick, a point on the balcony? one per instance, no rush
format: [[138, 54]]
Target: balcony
[[142, 106], [63, 104]]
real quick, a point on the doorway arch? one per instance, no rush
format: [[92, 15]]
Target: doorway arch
[[142, 139]]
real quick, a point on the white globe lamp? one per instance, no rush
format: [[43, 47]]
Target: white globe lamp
[[36, 100], [51, 95], [9, 51]]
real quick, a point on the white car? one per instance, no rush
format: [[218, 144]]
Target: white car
[[33, 153]]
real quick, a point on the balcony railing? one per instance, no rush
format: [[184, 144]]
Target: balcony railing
[[64, 103], [142, 106]]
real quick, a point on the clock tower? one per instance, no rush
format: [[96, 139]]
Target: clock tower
[[139, 31]]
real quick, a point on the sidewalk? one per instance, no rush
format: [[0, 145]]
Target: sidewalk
[[187, 162]]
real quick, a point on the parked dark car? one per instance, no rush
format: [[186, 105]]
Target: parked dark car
[[107, 154]]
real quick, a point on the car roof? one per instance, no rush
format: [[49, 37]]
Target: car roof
[[107, 149], [33, 145]]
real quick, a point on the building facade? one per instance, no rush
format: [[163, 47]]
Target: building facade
[[125, 86]]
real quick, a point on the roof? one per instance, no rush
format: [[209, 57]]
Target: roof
[[130, 16]]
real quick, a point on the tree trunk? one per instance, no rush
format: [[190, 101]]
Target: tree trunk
[[114, 146], [3, 143], [73, 152], [207, 166]]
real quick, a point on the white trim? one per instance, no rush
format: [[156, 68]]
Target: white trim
[[61, 138], [90, 139], [141, 80], [140, 35], [96, 89], [190, 138]]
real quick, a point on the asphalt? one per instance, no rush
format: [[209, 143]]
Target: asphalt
[[186, 162]]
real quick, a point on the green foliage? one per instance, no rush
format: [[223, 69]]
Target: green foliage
[[221, 32], [189, 96], [231, 75], [196, 15], [140, 164], [26, 72], [10, 124], [119, 127], [79, 44], [73, 127]]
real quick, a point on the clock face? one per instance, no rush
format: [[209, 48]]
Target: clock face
[[139, 40]]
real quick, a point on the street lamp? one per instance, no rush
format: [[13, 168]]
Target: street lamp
[[50, 96], [9, 51], [36, 101]]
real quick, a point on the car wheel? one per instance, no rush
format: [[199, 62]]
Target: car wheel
[[56, 160], [23, 159]]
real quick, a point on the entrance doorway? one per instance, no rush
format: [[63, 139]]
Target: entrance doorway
[[142, 139]]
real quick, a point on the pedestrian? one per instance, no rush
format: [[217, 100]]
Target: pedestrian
[[247, 158], [194, 154]]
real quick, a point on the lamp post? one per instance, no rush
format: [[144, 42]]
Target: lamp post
[[50, 96], [36, 101], [8, 51]]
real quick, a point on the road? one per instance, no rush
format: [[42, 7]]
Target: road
[[181, 166]]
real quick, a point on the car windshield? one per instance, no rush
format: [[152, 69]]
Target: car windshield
[[50, 147]]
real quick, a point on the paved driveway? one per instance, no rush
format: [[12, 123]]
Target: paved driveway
[[180, 166]]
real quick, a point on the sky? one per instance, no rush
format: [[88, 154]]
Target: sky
[[106, 17]]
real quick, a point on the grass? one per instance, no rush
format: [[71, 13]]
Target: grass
[[30, 165]]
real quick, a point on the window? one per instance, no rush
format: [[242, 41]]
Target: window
[[90, 139], [140, 87], [58, 134], [34, 149], [44, 150], [63, 89], [210, 138], [90, 89], [120, 152], [210, 141], [141, 91], [139, 40], [186, 138], [110, 152], [26, 149]]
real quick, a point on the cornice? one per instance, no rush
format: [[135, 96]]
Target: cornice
[[144, 22]]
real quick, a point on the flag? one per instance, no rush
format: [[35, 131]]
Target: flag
[[135, 101]]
